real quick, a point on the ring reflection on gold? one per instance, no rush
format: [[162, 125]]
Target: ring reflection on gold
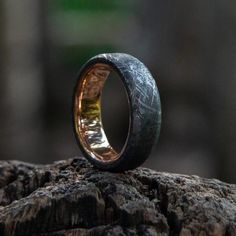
[[144, 112]]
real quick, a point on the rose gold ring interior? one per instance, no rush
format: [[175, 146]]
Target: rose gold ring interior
[[87, 114]]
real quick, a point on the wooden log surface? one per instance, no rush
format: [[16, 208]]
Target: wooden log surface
[[72, 198]]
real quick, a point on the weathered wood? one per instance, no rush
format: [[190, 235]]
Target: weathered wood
[[72, 198]]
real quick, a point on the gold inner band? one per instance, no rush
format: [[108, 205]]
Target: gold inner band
[[87, 112]]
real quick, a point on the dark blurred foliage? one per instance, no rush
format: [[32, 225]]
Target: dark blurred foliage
[[189, 46]]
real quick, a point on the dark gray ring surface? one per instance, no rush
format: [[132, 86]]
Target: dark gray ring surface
[[145, 110]]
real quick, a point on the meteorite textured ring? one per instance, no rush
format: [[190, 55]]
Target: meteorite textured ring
[[144, 112]]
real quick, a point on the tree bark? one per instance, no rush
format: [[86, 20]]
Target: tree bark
[[72, 198]]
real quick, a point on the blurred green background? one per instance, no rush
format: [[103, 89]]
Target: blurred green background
[[189, 46]]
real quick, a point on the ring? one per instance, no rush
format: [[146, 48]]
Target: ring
[[144, 112]]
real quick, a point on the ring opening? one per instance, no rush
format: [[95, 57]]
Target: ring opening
[[87, 114]]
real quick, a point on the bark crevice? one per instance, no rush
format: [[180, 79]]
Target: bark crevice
[[72, 198]]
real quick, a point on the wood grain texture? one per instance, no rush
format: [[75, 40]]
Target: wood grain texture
[[72, 198]]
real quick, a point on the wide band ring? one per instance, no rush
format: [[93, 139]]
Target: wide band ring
[[144, 106]]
